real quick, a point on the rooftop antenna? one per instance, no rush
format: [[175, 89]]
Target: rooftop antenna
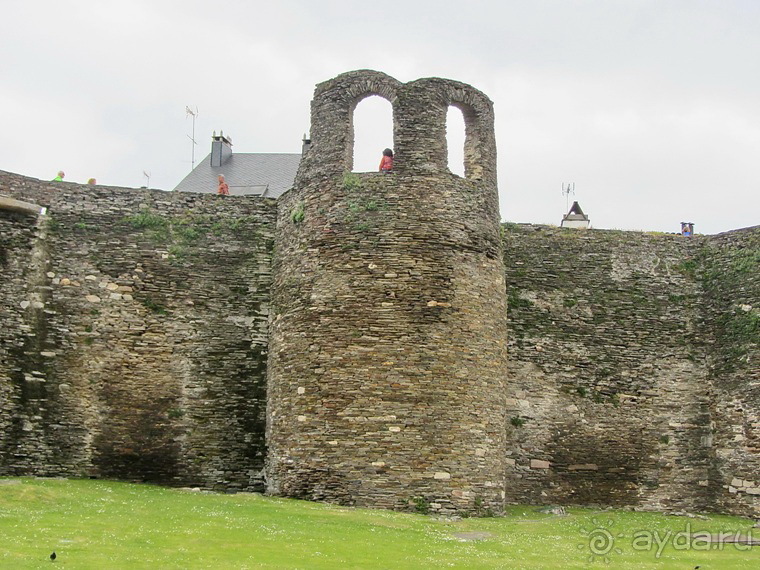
[[566, 191], [193, 114], [147, 176]]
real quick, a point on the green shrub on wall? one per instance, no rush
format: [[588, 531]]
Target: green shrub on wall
[[183, 232], [351, 181], [147, 219], [517, 421], [514, 301], [297, 215]]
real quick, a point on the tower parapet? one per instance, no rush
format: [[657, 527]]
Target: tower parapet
[[388, 338]]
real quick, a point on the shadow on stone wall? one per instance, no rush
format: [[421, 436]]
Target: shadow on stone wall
[[629, 381], [136, 345]]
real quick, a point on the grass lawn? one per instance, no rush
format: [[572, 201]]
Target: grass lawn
[[105, 525]]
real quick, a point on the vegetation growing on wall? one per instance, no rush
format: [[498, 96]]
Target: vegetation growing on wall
[[297, 215], [182, 234], [363, 201], [351, 181], [514, 301], [517, 421], [727, 272]]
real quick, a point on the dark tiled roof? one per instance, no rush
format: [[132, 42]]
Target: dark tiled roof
[[262, 174], [576, 209]]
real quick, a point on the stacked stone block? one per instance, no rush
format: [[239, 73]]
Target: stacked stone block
[[387, 346], [134, 336], [729, 269], [624, 388], [136, 345]]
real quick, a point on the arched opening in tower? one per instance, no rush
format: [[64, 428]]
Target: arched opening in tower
[[455, 137], [373, 132]]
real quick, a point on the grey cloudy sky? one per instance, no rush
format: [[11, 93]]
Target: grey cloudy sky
[[650, 106]]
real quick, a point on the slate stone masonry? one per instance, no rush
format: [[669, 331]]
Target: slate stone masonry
[[348, 342], [134, 334], [624, 386], [388, 339]]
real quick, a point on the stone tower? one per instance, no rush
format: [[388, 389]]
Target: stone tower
[[388, 332]]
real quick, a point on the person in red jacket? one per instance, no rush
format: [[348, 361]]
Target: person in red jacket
[[386, 164], [224, 188]]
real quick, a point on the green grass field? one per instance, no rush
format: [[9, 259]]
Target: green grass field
[[105, 525]]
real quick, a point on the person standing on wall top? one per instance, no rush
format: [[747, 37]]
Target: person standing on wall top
[[60, 176], [386, 163], [223, 189]]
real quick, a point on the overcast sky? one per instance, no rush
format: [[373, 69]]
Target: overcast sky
[[651, 107]]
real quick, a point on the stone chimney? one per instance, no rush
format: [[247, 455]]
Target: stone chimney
[[221, 148], [306, 145]]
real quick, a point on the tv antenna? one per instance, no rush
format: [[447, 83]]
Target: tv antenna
[[193, 114], [147, 177], [568, 189]]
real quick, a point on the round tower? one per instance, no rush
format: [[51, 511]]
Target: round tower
[[387, 353]]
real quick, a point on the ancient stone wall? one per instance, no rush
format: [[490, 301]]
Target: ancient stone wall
[[19, 235], [617, 393], [728, 268], [387, 351], [134, 334]]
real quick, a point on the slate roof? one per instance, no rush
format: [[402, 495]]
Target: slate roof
[[575, 218], [260, 174], [576, 209]]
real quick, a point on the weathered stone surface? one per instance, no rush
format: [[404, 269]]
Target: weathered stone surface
[[392, 287], [25, 208], [134, 341], [130, 368], [637, 373]]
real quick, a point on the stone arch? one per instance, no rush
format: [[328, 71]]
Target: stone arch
[[421, 133], [455, 137], [332, 109], [372, 129]]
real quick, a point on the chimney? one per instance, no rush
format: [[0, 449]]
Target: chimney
[[306, 145], [221, 149]]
